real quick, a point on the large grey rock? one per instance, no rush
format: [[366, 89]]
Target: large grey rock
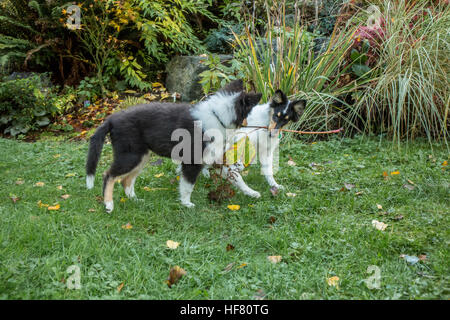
[[183, 76]]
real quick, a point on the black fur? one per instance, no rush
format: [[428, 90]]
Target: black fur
[[146, 127], [282, 115]]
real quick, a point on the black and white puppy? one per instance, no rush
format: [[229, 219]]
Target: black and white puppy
[[150, 127], [275, 114]]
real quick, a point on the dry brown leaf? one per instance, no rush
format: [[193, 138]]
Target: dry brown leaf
[[119, 288], [19, 182], [59, 187], [65, 196], [379, 206], [229, 266], [14, 198], [274, 259], [174, 275], [272, 219], [39, 184], [230, 247]]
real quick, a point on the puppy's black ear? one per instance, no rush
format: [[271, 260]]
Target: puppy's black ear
[[234, 86], [251, 99], [299, 107], [278, 98]]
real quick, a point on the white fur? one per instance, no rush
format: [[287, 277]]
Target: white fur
[[109, 206], [90, 181], [185, 192], [265, 145]]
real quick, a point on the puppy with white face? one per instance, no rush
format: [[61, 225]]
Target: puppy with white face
[[150, 127], [276, 114]]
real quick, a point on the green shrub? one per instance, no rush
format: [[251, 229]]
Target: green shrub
[[26, 104]]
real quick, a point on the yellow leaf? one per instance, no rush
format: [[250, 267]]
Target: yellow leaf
[[233, 207], [123, 200], [243, 150], [174, 275], [39, 184], [156, 85], [127, 226], [242, 265], [445, 163], [379, 206], [59, 187], [274, 259], [159, 175], [395, 173], [119, 288], [53, 208], [178, 178], [70, 175], [385, 174], [40, 204], [333, 281], [172, 244], [65, 196], [289, 194]]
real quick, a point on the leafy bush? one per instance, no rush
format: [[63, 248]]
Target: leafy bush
[[26, 104], [218, 74]]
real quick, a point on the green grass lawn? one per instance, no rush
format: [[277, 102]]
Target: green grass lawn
[[324, 231]]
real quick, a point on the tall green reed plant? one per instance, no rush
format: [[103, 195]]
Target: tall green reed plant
[[283, 58], [411, 96]]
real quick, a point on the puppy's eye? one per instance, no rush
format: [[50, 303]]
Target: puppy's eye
[[287, 117]]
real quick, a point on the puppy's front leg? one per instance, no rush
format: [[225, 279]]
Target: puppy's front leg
[[188, 177], [232, 174], [267, 170]]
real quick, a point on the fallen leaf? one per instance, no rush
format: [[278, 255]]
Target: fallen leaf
[[172, 244], [230, 247], [127, 226], [385, 174], [398, 218], [91, 210], [272, 219], [359, 193], [229, 267], [349, 186], [123, 200], [119, 288], [242, 265], [274, 191], [59, 187], [379, 225], [159, 175], [40, 204], [408, 186], [65, 196], [175, 274], [393, 173], [333, 282], [39, 184], [410, 259], [274, 259], [14, 198], [233, 207], [289, 194], [445, 163], [19, 182], [54, 208], [69, 175], [422, 257], [410, 181], [291, 163], [260, 295], [379, 206]]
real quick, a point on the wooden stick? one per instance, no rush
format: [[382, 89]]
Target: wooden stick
[[302, 132]]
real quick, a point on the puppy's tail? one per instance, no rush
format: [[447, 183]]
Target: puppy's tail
[[95, 150]]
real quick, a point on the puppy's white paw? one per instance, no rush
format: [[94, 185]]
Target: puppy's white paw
[[90, 181], [253, 194], [109, 206], [278, 186], [188, 204]]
